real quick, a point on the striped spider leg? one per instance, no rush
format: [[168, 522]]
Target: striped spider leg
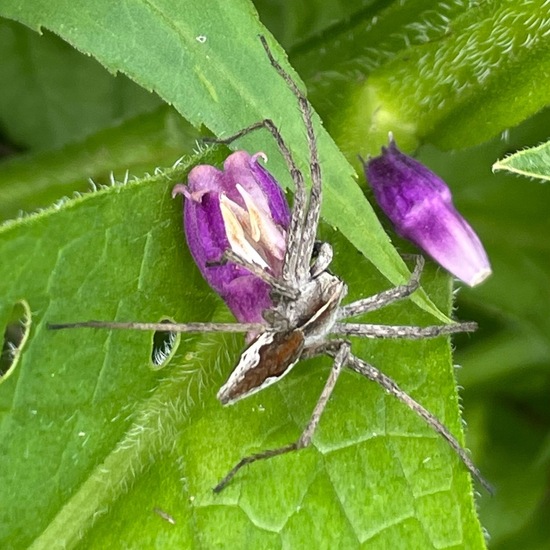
[[305, 317]]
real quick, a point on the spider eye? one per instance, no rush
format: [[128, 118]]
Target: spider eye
[[420, 206]]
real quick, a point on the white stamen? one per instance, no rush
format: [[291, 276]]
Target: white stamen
[[255, 216], [262, 227], [236, 235]]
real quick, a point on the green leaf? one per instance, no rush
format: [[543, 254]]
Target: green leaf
[[463, 83], [92, 428], [533, 162]]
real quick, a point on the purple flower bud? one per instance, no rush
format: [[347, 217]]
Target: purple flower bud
[[240, 208], [420, 206]]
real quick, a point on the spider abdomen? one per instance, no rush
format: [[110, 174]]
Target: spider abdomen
[[266, 360]]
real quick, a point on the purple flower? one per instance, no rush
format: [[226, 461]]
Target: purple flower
[[420, 206], [241, 208]]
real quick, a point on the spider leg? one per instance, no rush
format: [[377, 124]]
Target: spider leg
[[340, 359], [298, 206], [372, 373], [280, 286], [393, 331], [311, 221], [164, 327], [385, 298]]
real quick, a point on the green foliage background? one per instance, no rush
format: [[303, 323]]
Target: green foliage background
[[94, 439]]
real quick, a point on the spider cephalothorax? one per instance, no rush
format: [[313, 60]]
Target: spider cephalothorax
[[265, 262]]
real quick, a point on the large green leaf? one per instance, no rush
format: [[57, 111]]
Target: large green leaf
[[90, 427], [454, 76]]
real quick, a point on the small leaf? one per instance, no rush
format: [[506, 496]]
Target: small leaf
[[532, 163]]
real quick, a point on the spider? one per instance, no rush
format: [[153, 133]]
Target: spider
[[307, 318]]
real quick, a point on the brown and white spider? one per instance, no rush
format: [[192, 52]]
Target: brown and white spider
[[286, 299]]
